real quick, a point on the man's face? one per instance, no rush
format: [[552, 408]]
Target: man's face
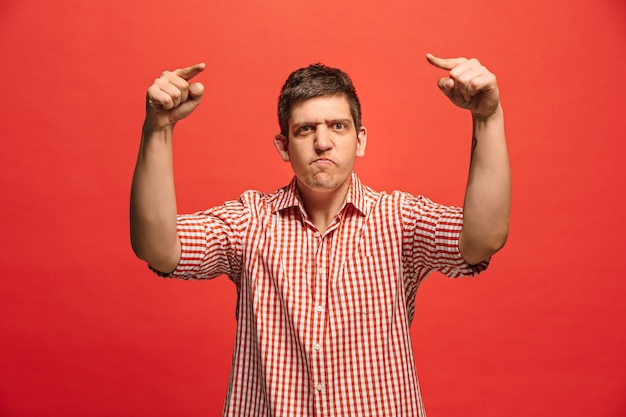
[[323, 143]]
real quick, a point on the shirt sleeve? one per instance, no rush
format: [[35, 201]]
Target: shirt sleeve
[[432, 238], [210, 242]]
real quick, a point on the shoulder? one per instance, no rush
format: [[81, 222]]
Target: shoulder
[[256, 200], [402, 199], [415, 209]]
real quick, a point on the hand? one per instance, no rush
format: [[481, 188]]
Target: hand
[[171, 97], [469, 85]]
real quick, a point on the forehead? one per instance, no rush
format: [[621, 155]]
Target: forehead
[[321, 108]]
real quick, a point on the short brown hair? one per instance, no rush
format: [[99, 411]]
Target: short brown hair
[[314, 81]]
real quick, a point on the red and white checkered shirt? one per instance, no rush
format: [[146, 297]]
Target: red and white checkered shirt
[[323, 320]]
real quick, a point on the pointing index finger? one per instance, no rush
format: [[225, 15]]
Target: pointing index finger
[[444, 63], [190, 72]]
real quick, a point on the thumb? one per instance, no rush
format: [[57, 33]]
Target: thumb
[[196, 91], [445, 84]]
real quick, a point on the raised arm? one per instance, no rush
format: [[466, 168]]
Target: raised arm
[[471, 86], [153, 199]]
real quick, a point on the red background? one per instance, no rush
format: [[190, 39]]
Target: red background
[[87, 330]]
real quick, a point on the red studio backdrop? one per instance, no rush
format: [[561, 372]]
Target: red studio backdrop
[[87, 330]]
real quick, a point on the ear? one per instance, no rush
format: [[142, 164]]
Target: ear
[[361, 141], [281, 143]]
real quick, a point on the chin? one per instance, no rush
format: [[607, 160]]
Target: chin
[[326, 183]]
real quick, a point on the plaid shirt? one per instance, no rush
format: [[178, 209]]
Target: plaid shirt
[[323, 320]]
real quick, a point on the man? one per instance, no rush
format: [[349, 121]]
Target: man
[[326, 269]]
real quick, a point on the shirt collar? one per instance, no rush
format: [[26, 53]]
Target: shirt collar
[[290, 197]]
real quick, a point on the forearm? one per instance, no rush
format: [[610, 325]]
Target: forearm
[[488, 193], [153, 202]]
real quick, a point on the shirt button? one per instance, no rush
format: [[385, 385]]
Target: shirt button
[[319, 309], [319, 387], [317, 347], [316, 234]]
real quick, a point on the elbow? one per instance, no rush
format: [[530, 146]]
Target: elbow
[[138, 244], [498, 242], [138, 249], [478, 249], [493, 243], [163, 258]]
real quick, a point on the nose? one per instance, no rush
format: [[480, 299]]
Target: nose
[[323, 140]]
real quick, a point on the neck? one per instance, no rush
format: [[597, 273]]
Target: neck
[[322, 206]]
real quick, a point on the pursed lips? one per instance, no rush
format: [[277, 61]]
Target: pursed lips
[[323, 161]]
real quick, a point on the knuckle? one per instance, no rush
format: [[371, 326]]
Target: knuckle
[[166, 103], [465, 78]]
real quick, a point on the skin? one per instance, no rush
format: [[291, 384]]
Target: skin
[[470, 86], [153, 212], [322, 146]]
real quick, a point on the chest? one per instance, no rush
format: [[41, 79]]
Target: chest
[[355, 266]]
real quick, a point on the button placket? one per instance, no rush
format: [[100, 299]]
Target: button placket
[[318, 365]]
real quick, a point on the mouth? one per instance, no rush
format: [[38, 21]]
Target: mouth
[[323, 161]]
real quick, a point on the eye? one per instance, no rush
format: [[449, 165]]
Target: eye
[[304, 129], [339, 125]]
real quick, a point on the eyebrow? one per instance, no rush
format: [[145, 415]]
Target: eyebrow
[[347, 122]]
